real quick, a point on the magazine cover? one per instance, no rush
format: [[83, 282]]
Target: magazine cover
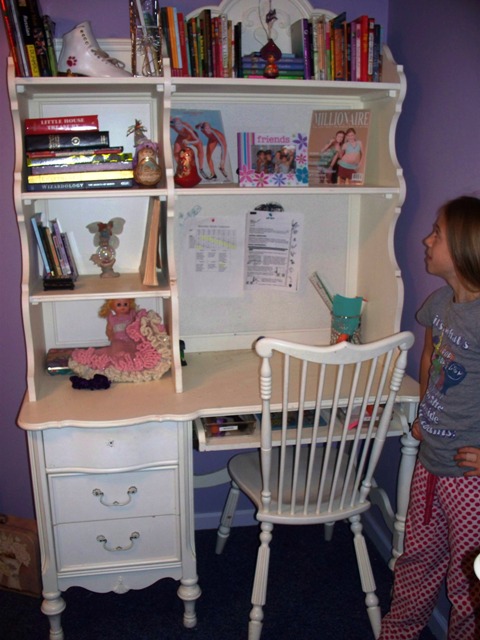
[[202, 131], [272, 160], [337, 150]]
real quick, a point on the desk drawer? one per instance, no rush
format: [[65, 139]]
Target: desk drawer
[[84, 546], [111, 448], [84, 497]]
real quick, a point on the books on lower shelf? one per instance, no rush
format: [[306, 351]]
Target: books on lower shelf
[[337, 147], [272, 159], [56, 253]]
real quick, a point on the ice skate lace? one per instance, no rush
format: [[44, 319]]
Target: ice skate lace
[[103, 55]]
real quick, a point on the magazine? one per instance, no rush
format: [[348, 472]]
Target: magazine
[[337, 150], [202, 131], [272, 160]]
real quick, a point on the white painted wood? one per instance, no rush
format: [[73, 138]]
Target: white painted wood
[[140, 435], [151, 492], [318, 474]]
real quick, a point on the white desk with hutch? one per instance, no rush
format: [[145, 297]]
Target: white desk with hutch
[[112, 470]]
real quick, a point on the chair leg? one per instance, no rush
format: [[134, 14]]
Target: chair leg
[[259, 592], [366, 575], [227, 517], [328, 531]]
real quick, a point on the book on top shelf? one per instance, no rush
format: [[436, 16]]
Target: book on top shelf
[[59, 125], [272, 159], [82, 185], [26, 27], [337, 147], [39, 39], [73, 140], [49, 29], [302, 44], [55, 155], [90, 167], [93, 161], [120, 174], [202, 131], [15, 42]]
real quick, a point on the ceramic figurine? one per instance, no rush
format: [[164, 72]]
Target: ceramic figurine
[[105, 238], [146, 169]]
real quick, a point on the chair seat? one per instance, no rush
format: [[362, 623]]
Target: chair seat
[[244, 469]]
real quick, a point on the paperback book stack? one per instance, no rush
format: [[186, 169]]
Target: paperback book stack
[[71, 152], [59, 266]]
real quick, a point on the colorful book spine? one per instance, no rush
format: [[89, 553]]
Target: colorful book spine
[[45, 154], [28, 39], [60, 247], [39, 39], [51, 251], [70, 256], [371, 38], [301, 46], [12, 38], [85, 185], [81, 175], [36, 225], [40, 126], [95, 167], [377, 45], [49, 29], [77, 140]]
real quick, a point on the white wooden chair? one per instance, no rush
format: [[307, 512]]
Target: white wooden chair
[[319, 471]]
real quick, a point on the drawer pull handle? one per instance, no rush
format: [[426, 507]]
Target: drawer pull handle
[[133, 536], [98, 493]]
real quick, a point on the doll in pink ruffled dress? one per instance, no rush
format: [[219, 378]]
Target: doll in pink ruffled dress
[[119, 314], [139, 348]]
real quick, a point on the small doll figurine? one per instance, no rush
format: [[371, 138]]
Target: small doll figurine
[[139, 346]]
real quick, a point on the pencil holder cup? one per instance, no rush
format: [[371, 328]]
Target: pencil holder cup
[[345, 329]]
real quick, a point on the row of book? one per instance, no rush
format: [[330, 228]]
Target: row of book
[[321, 49], [30, 36], [71, 152], [339, 49], [59, 266]]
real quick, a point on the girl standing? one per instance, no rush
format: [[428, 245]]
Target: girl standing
[[442, 536]]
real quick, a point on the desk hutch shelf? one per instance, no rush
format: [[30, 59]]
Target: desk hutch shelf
[[84, 444]]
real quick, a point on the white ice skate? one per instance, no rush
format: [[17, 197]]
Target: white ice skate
[[81, 55]]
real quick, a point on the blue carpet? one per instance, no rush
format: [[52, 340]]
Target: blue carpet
[[313, 594]]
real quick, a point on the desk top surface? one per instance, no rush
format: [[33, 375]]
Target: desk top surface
[[215, 383]]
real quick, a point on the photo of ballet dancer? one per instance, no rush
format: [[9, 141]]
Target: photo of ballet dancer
[[202, 132]]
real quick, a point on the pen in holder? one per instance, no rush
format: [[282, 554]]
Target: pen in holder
[[346, 319]]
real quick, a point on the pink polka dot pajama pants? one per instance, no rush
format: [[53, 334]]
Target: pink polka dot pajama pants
[[442, 539]]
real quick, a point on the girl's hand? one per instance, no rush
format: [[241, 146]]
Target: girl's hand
[[416, 430], [469, 457]]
